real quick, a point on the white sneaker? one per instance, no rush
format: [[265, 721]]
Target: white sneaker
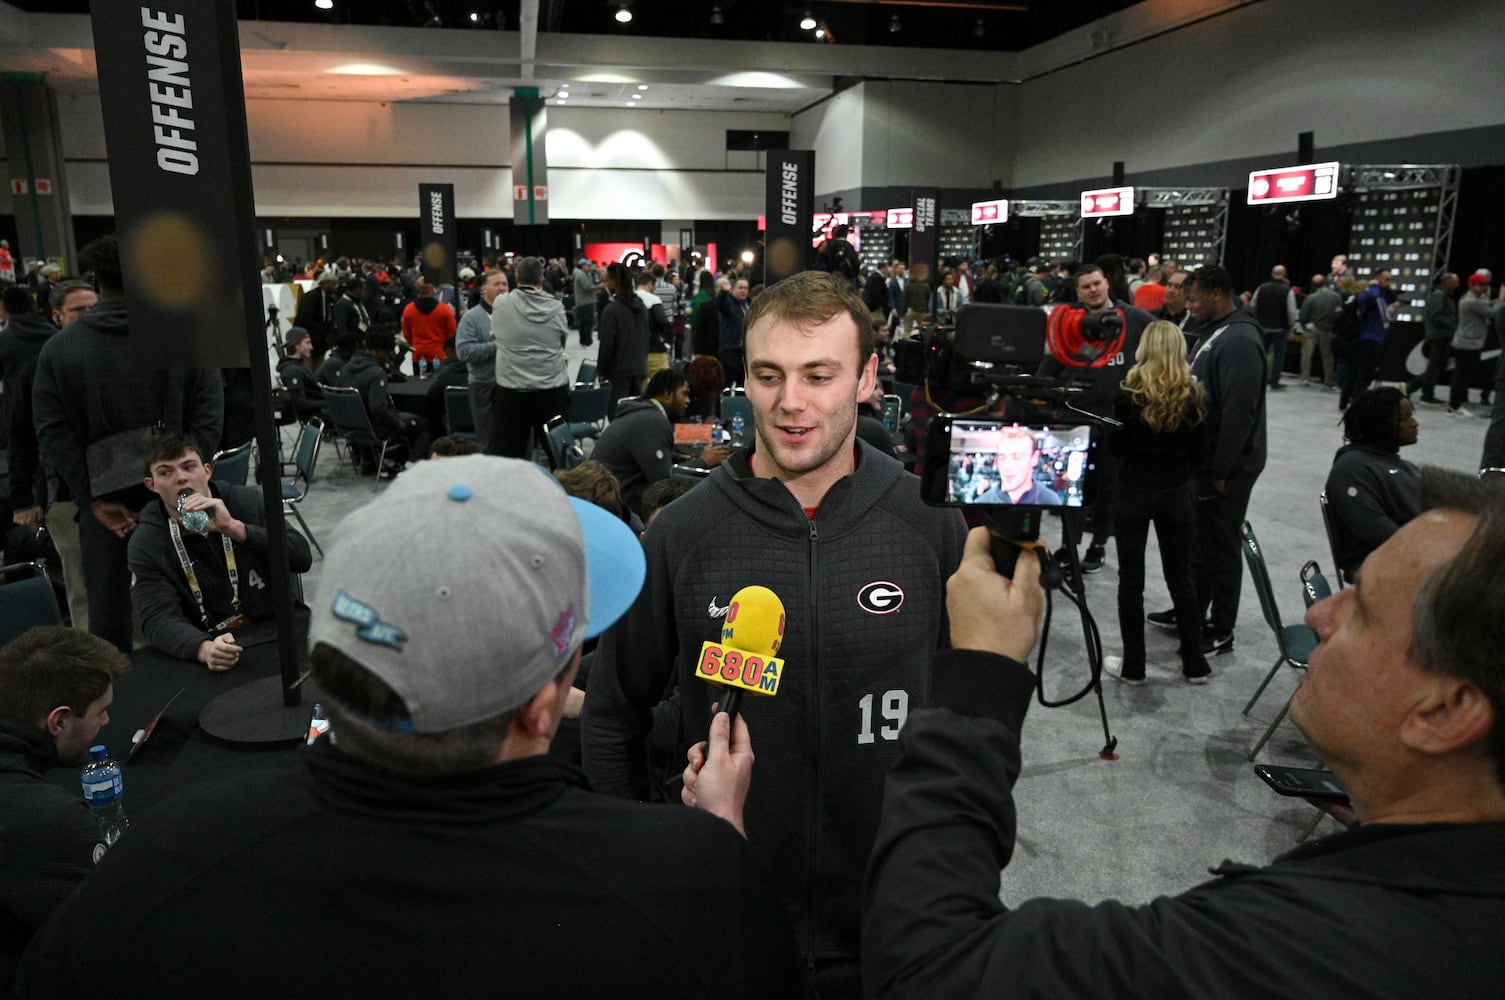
[[1460, 412], [1113, 666]]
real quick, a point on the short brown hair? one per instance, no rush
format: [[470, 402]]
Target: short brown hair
[[593, 482], [810, 298], [50, 665], [170, 447]]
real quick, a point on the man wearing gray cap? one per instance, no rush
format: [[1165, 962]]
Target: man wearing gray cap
[[430, 844]]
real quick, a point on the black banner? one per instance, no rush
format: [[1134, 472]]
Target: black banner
[[789, 206], [925, 237], [436, 232], [180, 167]]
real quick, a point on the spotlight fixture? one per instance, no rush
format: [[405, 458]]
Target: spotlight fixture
[[807, 23], [716, 15], [623, 14], [978, 29], [475, 18], [324, 4], [894, 26]]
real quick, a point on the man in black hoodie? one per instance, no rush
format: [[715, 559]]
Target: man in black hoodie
[[302, 388], [1371, 490], [56, 685], [367, 374], [92, 406], [1229, 361]]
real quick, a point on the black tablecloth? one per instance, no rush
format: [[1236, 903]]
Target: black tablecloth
[[179, 752]]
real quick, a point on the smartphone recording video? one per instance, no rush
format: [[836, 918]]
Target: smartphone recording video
[[978, 462]]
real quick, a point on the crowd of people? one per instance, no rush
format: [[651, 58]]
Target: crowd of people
[[517, 707]]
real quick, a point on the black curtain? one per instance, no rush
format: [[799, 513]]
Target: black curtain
[[1304, 237]]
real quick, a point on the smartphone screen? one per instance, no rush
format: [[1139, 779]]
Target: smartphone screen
[[1307, 783], [976, 462]]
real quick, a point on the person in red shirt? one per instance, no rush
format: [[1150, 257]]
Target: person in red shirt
[[426, 324]]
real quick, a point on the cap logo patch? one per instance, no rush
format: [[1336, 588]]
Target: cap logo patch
[[564, 630], [373, 629]]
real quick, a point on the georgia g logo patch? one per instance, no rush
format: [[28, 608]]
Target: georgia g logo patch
[[880, 598]]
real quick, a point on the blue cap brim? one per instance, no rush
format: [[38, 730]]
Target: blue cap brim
[[614, 565]]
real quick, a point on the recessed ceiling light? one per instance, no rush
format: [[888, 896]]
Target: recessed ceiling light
[[475, 18], [637, 97], [807, 23], [631, 105], [623, 15], [820, 32], [324, 4], [894, 25], [642, 86]]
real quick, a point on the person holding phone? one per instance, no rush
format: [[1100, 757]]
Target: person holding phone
[[1164, 436]]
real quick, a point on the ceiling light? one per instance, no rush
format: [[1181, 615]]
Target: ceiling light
[[324, 4], [642, 86], [475, 18], [623, 14], [747, 256], [807, 23], [716, 16], [631, 105], [820, 32], [894, 25], [637, 97], [978, 29]]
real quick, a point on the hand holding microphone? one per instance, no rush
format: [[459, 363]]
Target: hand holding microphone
[[718, 782]]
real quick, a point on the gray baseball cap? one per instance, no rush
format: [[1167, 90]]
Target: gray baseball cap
[[469, 583]]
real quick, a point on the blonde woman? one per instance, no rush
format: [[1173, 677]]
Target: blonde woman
[[1162, 409]]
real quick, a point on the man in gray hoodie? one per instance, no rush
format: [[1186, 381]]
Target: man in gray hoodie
[[532, 380]]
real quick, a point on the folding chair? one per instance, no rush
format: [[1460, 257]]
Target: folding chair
[[1294, 642], [1332, 537], [458, 418], [354, 423], [26, 603], [562, 448], [587, 415], [586, 376], [232, 465], [305, 457], [731, 405]]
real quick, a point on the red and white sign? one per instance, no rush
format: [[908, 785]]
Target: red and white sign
[[44, 186], [18, 185], [1313, 182], [1107, 202], [540, 193], [900, 218], [519, 192], [985, 213]]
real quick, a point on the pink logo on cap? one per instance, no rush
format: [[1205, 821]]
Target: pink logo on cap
[[564, 630]]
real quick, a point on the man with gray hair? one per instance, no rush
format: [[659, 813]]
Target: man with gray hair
[[431, 840], [532, 377], [475, 345]]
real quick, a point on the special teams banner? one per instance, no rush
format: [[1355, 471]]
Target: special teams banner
[[175, 130], [436, 232], [789, 207]]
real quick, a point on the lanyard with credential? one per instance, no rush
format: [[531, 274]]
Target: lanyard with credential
[[193, 578]]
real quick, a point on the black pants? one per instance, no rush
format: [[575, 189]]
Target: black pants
[[1170, 510], [107, 580], [1437, 361], [520, 412], [1218, 562], [622, 387], [1494, 438], [1465, 375], [1366, 361], [410, 441], [731, 363], [585, 319]]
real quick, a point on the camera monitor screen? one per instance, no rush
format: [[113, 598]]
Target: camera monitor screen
[[990, 463]]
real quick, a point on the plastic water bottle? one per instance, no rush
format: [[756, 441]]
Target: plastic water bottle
[[423, 368], [196, 521], [718, 433], [738, 426], [318, 724], [103, 791]]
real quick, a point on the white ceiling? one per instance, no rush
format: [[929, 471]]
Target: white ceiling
[[348, 62]]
